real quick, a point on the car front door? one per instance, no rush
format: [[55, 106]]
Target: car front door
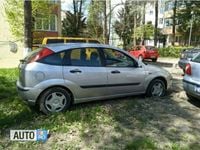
[[84, 73], [124, 75]]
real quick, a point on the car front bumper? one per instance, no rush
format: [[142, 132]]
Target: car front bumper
[[192, 88]]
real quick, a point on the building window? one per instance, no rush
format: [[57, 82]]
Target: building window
[[151, 12], [168, 22], [161, 21], [46, 23]]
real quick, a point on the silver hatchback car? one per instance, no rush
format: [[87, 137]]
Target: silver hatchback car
[[56, 76], [191, 80]]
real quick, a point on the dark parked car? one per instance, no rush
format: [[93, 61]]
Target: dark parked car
[[186, 56], [191, 80]]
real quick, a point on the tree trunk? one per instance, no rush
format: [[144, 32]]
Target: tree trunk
[[79, 16], [174, 23], [156, 24], [109, 23], [134, 29], [105, 30], [27, 26], [143, 23]]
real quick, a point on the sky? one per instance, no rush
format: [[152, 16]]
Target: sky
[[67, 4]]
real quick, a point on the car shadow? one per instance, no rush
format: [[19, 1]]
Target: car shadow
[[195, 102]]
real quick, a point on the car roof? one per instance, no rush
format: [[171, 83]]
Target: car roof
[[67, 46]]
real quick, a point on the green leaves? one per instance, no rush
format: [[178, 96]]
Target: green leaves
[[14, 13]]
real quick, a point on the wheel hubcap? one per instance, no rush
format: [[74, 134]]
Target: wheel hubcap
[[157, 89], [55, 102]]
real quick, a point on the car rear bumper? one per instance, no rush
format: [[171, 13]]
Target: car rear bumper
[[192, 88], [29, 95]]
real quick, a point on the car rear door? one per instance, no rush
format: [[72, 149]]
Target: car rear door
[[124, 77], [83, 71]]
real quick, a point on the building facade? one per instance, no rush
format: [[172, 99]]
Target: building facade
[[47, 25]]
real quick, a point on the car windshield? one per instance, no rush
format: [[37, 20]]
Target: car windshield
[[197, 58], [49, 41]]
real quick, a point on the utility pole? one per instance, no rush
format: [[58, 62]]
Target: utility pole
[[156, 24], [27, 26]]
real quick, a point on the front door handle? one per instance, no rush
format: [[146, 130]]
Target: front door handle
[[115, 71], [75, 71]]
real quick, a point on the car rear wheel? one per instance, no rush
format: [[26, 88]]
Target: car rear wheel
[[154, 59], [156, 88], [54, 100]]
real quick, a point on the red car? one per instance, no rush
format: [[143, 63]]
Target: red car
[[145, 52]]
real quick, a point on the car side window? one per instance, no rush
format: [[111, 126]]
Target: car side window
[[114, 58], [85, 57], [54, 59]]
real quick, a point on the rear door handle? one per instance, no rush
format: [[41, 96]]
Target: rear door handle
[[115, 71], [75, 71]]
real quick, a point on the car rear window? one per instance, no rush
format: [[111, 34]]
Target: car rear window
[[150, 48], [49, 41], [197, 58]]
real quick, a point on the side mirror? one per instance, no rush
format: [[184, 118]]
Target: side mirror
[[189, 59], [13, 47]]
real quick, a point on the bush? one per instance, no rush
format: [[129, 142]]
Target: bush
[[170, 51]]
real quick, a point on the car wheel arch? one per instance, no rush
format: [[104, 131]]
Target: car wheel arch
[[160, 78], [56, 86]]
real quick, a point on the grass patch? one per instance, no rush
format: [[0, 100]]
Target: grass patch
[[105, 124], [141, 143]]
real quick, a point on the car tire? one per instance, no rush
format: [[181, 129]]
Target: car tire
[[54, 100], [156, 88], [190, 97], [154, 59], [140, 58]]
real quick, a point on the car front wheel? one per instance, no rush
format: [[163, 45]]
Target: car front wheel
[[156, 88], [54, 100]]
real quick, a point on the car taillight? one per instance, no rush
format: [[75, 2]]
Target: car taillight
[[41, 54], [188, 69]]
